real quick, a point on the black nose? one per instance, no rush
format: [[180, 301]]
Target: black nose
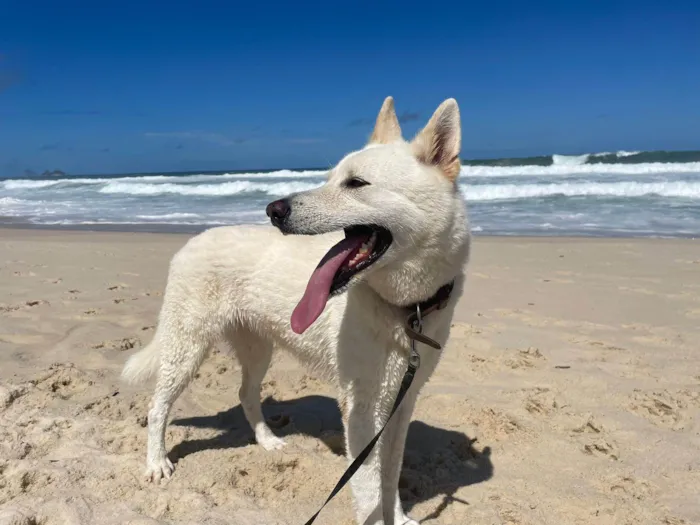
[[278, 211]]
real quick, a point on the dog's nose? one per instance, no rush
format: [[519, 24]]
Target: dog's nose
[[278, 211]]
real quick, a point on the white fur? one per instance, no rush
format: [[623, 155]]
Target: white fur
[[242, 283]]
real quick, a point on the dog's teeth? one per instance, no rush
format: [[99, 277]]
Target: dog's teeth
[[355, 260], [364, 250]]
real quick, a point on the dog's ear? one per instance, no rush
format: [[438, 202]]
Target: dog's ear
[[439, 142], [386, 129]]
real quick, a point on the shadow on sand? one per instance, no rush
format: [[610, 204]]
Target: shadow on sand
[[437, 462]]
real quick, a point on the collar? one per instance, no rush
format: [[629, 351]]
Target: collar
[[416, 313], [437, 302]]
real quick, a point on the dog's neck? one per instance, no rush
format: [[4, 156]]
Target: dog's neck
[[406, 292], [418, 282], [425, 268]]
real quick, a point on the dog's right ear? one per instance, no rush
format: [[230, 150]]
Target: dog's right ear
[[440, 141], [386, 129]]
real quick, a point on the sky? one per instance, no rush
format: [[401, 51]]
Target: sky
[[118, 87]]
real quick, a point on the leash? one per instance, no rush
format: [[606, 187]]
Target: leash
[[414, 331]]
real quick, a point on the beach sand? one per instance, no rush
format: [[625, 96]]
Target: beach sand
[[569, 393]]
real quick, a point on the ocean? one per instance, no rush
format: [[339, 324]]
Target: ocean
[[639, 194]]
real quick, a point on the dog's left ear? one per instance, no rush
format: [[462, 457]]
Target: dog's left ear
[[439, 142], [386, 129]]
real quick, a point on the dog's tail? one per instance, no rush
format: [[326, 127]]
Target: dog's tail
[[143, 365]]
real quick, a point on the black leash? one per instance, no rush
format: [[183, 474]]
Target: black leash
[[413, 364], [414, 330]]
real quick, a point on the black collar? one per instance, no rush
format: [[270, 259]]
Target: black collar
[[416, 313], [437, 302]]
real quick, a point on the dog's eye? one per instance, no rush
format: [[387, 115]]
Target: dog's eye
[[356, 182]]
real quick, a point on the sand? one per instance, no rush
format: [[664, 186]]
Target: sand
[[569, 393]]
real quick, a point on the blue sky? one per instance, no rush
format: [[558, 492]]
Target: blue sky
[[156, 86]]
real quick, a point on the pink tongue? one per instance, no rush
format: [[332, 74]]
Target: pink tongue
[[319, 287]]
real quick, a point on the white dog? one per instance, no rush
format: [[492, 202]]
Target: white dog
[[390, 229]]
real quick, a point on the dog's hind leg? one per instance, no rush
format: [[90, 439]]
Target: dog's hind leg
[[180, 358], [254, 353]]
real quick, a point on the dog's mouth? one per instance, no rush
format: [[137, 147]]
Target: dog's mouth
[[361, 248]]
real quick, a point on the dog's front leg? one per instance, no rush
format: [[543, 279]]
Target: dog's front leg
[[395, 435], [392, 459], [361, 401]]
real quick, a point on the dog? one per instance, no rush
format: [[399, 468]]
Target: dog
[[390, 229]]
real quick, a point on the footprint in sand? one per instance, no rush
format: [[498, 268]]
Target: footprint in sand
[[117, 407], [39, 302], [27, 304], [664, 409], [9, 394], [22, 481], [494, 425], [61, 380], [9, 307], [595, 441], [626, 487], [19, 515], [122, 345], [525, 358], [602, 447], [74, 294], [541, 401]]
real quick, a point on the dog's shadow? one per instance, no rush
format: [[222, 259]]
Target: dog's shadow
[[437, 462]]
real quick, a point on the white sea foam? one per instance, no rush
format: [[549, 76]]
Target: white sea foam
[[28, 184], [11, 201], [563, 165], [503, 199], [169, 216], [577, 160], [489, 192], [223, 189], [569, 160], [650, 168], [23, 184]]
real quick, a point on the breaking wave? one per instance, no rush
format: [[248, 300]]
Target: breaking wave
[[606, 193], [487, 192], [212, 190], [577, 166]]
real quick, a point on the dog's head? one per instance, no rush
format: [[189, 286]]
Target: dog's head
[[398, 203]]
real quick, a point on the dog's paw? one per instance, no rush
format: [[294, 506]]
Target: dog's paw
[[158, 469], [271, 442]]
